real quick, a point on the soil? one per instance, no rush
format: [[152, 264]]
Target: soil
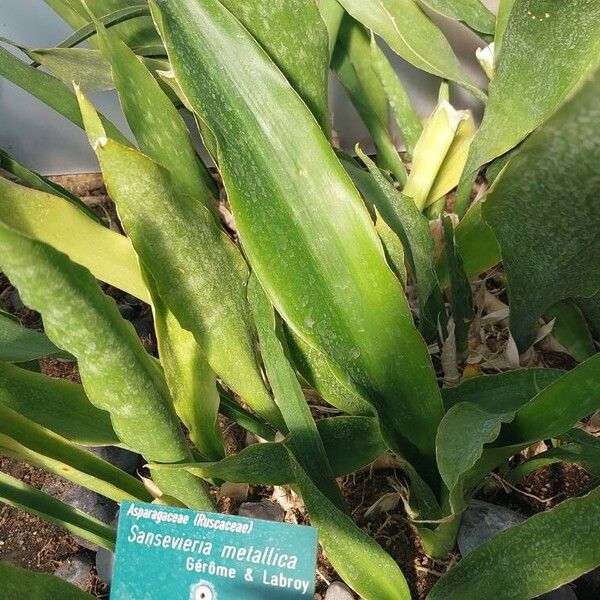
[[30, 542]]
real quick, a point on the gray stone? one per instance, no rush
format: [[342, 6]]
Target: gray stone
[[119, 457], [92, 504], [339, 591], [104, 565], [265, 509], [481, 522], [76, 570]]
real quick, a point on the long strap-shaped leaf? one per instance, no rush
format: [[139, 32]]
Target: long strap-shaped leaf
[[410, 33], [533, 77], [155, 122], [191, 381], [39, 182], [20, 495], [19, 583], [199, 273], [561, 254], [56, 221], [295, 37], [303, 226], [19, 344], [56, 404], [135, 32], [546, 551], [268, 463], [550, 413], [117, 373], [472, 12], [357, 557], [412, 227], [118, 16], [24, 439], [49, 90], [303, 438], [353, 64]]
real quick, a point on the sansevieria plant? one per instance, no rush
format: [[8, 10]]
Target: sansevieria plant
[[341, 275]]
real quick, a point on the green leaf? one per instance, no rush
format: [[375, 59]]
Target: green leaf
[[244, 418], [117, 373], [134, 32], [412, 227], [69, 10], [295, 37], [20, 495], [56, 221], [257, 464], [394, 250], [525, 561], [356, 556], [32, 443], [41, 183], [354, 65], [463, 311], [268, 463], [532, 76], [462, 434], [359, 433], [581, 448], [314, 248], [19, 583], [303, 439], [557, 407], [591, 309], [57, 404], [476, 245], [501, 393], [19, 344], [157, 125], [49, 90], [191, 381], [408, 122], [199, 273], [571, 330], [471, 12], [332, 384], [411, 34], [332, 14], [118, 16], [504, 9], [550, 249], [85, 66]]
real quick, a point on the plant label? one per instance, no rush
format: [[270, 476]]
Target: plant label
[[166, 553]]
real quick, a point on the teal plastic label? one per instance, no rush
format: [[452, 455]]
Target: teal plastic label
[[166, 553]]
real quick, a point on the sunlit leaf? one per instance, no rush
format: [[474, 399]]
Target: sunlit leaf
[[410, 33], [56, 221], [117, 373], [24, 439], [199, 273], [288, 191], [57, 404]]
